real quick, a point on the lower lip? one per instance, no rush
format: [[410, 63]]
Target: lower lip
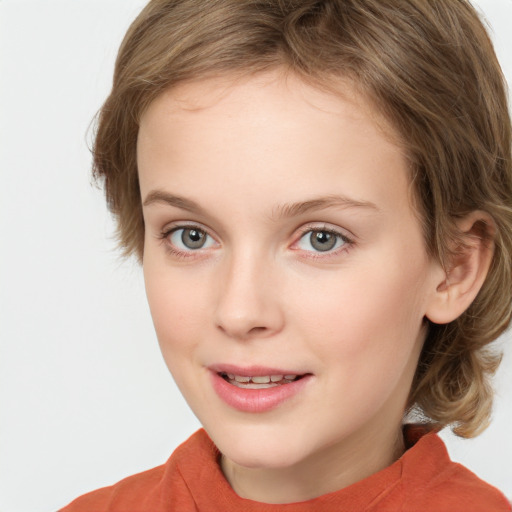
[[256, 400]]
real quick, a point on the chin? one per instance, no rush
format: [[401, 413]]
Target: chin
[[259, 448]]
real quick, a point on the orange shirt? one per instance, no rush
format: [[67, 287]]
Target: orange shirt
[[423, 479]]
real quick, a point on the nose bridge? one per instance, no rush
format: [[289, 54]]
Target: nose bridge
[[247, 304]]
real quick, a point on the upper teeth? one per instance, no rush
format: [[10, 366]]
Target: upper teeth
[[261, 380]]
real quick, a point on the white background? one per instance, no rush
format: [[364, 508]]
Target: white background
[[85, 397]]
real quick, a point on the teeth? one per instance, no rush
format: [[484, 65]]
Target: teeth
[[252, 385], [260, 380]]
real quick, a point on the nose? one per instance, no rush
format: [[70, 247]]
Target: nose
[[248, 304]]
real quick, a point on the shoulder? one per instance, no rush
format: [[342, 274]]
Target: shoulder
[[116, 497], [149, 490], [431, 481]]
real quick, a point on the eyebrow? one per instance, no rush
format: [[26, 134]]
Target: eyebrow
[[320, 203], [282, 211], [159, 196]]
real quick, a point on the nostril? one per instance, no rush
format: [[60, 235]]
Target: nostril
[[241, 330], [256, 330]]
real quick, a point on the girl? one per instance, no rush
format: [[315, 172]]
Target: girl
[[320, 194]]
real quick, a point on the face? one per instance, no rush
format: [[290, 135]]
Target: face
[[281, 244]]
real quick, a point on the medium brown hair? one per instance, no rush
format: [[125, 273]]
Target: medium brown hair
[[428, 66]]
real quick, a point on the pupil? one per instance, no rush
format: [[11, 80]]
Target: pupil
[[193, 238], [322, 240], [194, 235]]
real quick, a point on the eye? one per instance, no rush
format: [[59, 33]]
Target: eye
[[321, 240], [190, 239]]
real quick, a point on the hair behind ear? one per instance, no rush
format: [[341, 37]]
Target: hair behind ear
[[452, 384]]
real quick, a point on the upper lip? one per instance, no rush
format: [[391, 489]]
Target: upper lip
[[251, 371]]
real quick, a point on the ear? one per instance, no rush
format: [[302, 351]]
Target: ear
[[466, 271]]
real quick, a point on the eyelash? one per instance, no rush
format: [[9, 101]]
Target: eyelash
[[346, 246], [172, 250]]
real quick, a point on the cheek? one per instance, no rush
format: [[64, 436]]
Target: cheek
[[365, 332], [179, 312], [363, 316], [177, 307]]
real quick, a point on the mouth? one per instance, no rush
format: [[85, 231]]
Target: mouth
[[257, 389], [258, 382]]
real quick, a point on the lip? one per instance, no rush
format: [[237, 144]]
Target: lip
[[252, 371], [255, 400]]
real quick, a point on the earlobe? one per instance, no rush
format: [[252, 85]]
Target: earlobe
[[459, 285]]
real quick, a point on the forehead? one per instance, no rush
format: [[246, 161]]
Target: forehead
[[287, 91], [273, 127]]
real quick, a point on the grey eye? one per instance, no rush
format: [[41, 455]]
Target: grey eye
[[322, 240], [193, 238], [190, 239]]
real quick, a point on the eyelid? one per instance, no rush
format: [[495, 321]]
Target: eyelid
[[169, 229], [342, 233], [175, 225], [329, 228], [324, 226]]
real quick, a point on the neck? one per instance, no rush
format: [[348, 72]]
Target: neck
[[331, 469]]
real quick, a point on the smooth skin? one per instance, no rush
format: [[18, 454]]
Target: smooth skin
[[280, 232]]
